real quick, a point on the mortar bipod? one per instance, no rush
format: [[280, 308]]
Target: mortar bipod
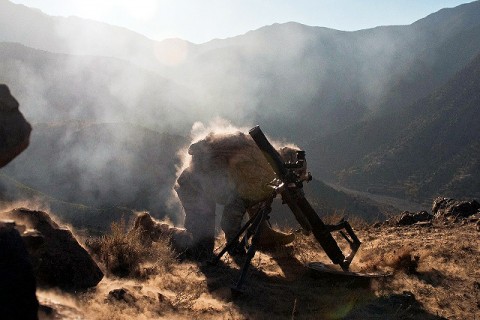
[[250, 231]]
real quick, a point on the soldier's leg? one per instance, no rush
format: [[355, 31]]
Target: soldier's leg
[[231, 221], [199, 213], [270, 238]]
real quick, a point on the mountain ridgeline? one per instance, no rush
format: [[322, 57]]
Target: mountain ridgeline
[[385, 110], [297, 81]]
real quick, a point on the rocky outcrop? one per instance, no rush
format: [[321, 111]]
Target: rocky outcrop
[[17, 281], [14, 129], [443, 209], [447, 207], [152, 230], [58, 259], [408, 218]]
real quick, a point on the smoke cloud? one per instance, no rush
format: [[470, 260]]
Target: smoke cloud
[[110, 108]]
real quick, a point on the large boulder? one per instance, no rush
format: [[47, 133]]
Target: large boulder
[[14, 129], [17, 281], [58, 259], [446, 207]]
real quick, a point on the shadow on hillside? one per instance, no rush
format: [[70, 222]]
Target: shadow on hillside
[[294, 293]]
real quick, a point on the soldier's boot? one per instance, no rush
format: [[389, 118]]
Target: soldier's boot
[[270, 238]]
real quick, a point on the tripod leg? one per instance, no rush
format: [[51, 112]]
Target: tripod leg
[[260, 217], [235, 240]]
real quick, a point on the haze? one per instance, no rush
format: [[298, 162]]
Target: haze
[[201, 21]]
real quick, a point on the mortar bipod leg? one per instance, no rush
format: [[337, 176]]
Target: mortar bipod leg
[[234, 241], [260, 217]]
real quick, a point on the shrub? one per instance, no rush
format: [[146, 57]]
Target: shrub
[[125, 254]]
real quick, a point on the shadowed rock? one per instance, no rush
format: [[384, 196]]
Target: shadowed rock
[[14, 129], [409, 218], [58, 259], [446, 207], [122, 294], [17, 282]]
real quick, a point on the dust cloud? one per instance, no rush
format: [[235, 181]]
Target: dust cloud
[[111, 108]]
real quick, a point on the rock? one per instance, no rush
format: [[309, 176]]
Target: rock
[[409, 218], [17, 281], [377, 225], [153, 230], [406, 219], [423, 216], [58, 259], [33, 239], [14, 129], [447, 207], [122, 294]]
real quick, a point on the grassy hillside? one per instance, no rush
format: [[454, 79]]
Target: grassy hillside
[[434, 276]]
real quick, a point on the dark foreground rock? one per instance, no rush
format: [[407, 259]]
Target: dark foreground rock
[[17, 281], [58, 259], [14, 129]]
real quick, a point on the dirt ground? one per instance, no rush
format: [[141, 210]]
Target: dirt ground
[[435, 275]]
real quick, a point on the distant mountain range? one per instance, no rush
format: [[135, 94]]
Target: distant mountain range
[[295, 80], [366, 105]]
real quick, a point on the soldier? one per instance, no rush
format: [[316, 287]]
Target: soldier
[[230, 170]]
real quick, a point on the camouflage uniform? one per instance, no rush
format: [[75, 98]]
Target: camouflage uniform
[[229, 170]]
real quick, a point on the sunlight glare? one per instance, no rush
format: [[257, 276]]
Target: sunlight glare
[[172, 52], [141, 9]]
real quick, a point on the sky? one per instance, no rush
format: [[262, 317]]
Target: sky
[[199, 21]]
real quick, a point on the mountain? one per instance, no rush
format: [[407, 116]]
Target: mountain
[[74, 35], [297, 81], [429, 148], [87, 219], [90, 174], [337, 94], [448, 40], [54, 87], [101, 166], [304, 81]]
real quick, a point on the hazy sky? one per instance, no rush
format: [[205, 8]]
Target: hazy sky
[[202, 20]]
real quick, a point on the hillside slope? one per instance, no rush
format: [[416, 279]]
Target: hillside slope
[[73, 35], [101, 165], [284, 76], [434, 266], [430, 148], [58, 87]]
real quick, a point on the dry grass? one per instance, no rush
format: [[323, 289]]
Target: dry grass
[[126, 253], [438, 264], [435, 275], [355, 221]]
